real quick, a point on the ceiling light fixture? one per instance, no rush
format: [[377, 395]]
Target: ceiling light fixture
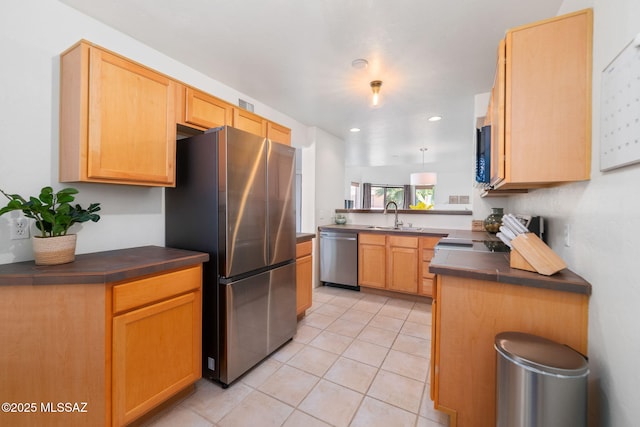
[[354, 130], [375, 87], [435, 118], [424, 178]]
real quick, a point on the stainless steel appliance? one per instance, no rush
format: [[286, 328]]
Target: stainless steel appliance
[[339, 259], [234, 199]]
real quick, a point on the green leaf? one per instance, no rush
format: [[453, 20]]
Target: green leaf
[[46, 195], [68, 190]]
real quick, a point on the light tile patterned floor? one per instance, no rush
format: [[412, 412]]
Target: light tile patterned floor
[[357, 359]]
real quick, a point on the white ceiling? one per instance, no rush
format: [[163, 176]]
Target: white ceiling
[[433, 56]]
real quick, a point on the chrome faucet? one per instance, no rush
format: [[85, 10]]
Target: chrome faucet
[[396, 223]]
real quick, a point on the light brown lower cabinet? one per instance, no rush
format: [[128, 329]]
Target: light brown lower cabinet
[[395, 262], [426, 251], [467, 315], [304, 277], [402, 262], [113, 351], [372, 260], [157, 344]]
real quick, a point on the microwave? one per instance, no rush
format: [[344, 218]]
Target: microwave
[[483, 155]]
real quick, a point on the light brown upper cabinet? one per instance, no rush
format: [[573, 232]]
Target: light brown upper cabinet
[[117, 120], [250, 122], [203, 111], [541, 129], [278, 133]]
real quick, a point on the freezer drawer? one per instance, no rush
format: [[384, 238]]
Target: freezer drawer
[[258, 316]]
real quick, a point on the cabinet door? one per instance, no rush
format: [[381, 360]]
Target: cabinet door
[[278, 133], [402, 270], [206, 111], [426, 279], [435, 342], [372, 260], [156, 353], [131, 122], [497, 118], [247, 121], [304, 285], [548, 100]]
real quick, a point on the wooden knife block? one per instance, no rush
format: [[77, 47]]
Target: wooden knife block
[[532, 254]]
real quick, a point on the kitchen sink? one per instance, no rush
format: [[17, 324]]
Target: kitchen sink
[[401, 228], [410, 228]]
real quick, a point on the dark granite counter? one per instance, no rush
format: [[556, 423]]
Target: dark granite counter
[[101, 267], [409, 211], [474, 264], [493, 266], [304, 237], [411, 231]]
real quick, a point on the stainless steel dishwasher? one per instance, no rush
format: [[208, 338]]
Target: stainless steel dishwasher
[[339, 259]]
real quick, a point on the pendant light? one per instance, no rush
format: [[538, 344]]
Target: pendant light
[[375, 88], [424, 178]]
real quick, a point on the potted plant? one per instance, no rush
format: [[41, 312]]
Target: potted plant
[[54, 215]]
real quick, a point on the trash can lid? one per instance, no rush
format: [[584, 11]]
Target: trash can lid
[[541, 354]]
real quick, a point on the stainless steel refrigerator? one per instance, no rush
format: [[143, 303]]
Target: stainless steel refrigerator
[[234, 199]]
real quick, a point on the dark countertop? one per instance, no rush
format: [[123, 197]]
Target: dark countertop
[[304, 237], [410, 211], [101, 267], [494, 266], [419, 231], [481, 265]]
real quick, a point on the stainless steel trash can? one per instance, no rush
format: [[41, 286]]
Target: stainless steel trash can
[[540, 383]]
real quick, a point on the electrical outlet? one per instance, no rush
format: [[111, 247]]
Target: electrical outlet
[[19, 229]]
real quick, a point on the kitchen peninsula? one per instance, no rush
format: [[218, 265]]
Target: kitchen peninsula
[[475, 295]]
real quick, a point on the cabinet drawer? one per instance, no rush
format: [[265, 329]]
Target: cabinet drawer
[[372, 239], [403, 241], [303, 249], [156, 288]]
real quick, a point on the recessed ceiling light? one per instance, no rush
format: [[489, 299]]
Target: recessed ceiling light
[[359, 63], [354, 130], [435, 118]]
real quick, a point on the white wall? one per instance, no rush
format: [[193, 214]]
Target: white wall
[[329, 174], [604, 220], [32, 35]]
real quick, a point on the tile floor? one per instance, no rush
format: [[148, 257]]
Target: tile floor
[[357, 359]]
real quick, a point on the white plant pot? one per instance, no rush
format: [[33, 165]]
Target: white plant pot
[[54, 250]]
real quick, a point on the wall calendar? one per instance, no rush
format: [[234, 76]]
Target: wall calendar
[[620, 109]]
